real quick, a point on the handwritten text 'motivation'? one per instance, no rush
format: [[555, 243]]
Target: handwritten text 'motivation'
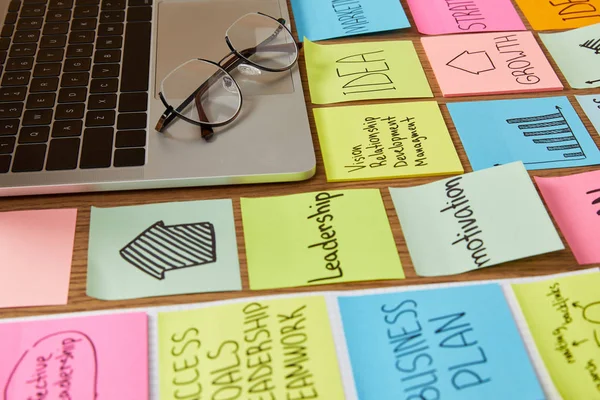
[[388, 141], [459, 203], [350, 15]]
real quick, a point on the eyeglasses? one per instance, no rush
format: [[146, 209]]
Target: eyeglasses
[[206, 93]]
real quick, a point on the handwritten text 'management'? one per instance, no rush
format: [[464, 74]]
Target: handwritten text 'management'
[[459, 203], [350, 15]]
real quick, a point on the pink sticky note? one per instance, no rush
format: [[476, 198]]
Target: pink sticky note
[[83, 358], [435, 18], [36, 249], [489, 63], [574, 202]]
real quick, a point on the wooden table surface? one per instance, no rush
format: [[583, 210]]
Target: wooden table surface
[[556, 262]]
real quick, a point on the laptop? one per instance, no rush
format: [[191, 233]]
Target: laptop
[[79, 99]]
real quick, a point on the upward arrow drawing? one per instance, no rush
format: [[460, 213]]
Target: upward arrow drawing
[[473, 63]]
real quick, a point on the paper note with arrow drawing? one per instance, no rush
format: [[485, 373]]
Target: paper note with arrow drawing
[[577, 54], [563, 315], [489, 63], [544, 133], [574, 201], [591, 106]]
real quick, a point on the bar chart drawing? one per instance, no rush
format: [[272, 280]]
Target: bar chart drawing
[[596, 201], [553, 132], [161, 248]]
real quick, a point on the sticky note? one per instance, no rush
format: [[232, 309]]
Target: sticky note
[[457, 343], [363, 71], [543, 133], [556, 15], [563, 316], [37, 249], [574, 201], [489, 63], [162, 249], [83, 358], [577, 54], [318, 238], [385, 141], [319, 20], [474, 220], [591, 107], [459, 16], [264, 349]]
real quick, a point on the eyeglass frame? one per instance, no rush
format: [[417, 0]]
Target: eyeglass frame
[[207, 132]]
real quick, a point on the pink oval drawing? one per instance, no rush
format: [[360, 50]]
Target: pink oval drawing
[[60, 366]]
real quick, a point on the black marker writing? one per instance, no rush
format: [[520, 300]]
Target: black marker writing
[[351, 16]]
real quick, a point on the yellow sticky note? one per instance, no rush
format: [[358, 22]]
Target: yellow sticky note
[[563, 315], [318, 238], [556, 15], [364, 70], [266, 349], [385, 141]]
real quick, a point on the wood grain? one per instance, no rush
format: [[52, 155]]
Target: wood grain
[[78, 301]]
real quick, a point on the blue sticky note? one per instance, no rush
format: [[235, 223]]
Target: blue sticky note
[[457, 343], [319, 20], [591, 106], [543, 133]]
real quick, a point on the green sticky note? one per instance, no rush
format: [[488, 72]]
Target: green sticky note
[[162, 249], [266, 349], [385, 141], [563, 315], [474, 220], [364, 71], [577, 54], [318, 238]]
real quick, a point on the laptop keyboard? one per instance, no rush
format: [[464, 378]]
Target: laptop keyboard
[[74, 84]]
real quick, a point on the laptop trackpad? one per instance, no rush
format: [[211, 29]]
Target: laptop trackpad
[[189, 30]]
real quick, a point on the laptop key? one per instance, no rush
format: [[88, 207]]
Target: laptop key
[[130, 102], [77, 64], [107, 56], [56, 28], [132, 121], [80, 50], [14, 6], [86, 2], [131, 138], [79, 37], [102, 101], [109, 42], [96, 149], [113, 4], [9, 127], [112, 16], [18, 78], [63, 154], [19, 64], [26, 37], [110, 85], [13, 93], [58, 16], [106, 70], [86, 11], [37, 117], [5, 163], [100, 118], [50, 55], [67, 128], [130, 157], [34, 134], [136, 58], [11, 18], [30, 24], [4, 43], [42, 70], [7, 144], [72, 95], [139, 14], [43, 85], [110, 29], [69, 111], [137, 3], [7, 30], [84, 24], [60, 4], [11, 110], [41, 100], [29, 157], [72, 79], [35, 1], [25, 49], [33, 10], [3, 55], [53, 42]]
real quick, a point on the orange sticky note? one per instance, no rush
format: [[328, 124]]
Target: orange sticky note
[[545, 15], [489, 63], [574, 202], [36, 249]]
